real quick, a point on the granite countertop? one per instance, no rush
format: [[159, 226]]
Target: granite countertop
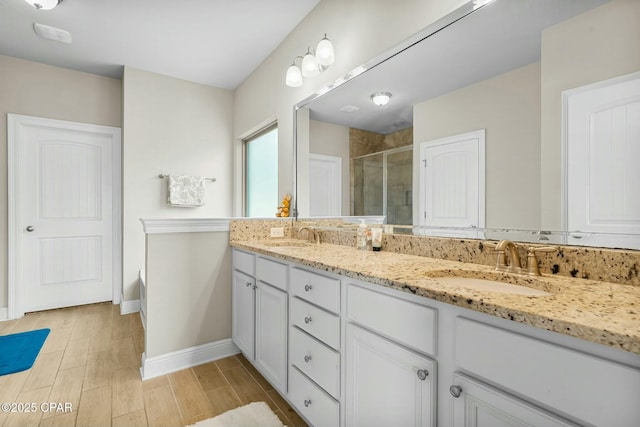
[[600, 312]]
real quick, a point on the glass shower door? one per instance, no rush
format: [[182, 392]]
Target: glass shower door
[[368, 181], [399, 187]]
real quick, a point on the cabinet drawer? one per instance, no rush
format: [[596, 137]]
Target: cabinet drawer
[[317, 322], [271, 272], [595, 390], [309, 399], [316, 360], [320, 290], [408, 323], [244, 262]]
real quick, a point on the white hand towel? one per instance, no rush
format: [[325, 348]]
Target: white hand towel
[[186, 190]]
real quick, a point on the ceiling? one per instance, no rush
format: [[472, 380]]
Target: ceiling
[[499, 37], [213, 42]]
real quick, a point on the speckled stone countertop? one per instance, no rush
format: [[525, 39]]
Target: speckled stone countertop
[[600, 312]]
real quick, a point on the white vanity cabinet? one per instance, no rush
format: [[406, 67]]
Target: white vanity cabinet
[[345, 352], [314, 351], [479, 405], [386, 382], [260, 315]]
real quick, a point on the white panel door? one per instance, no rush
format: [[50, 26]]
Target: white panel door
[[325, 185], [386, 384], [603, 155], [452, 181], [66, 223], [271, 334], [478, 405]]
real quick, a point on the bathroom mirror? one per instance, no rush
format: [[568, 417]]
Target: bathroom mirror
[[499, 78]]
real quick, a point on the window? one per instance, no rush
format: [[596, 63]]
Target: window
[[261, 168]]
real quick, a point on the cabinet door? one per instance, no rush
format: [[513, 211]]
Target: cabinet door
[[479, 405], [271, 334], [386, 384], [243, 313]]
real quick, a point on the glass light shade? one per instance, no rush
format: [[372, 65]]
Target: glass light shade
[[381, 98], [294, 76], [325, 54], [43, 4], [309, 65]]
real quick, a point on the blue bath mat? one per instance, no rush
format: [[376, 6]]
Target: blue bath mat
[[19, 351]]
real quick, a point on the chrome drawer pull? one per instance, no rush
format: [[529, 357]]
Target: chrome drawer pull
[[423, 374], [307, 358], [307, 320], [455, 391], [307, 402], [307, 288]]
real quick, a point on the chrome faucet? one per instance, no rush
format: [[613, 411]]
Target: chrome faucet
[[311, 231], [506, 249]]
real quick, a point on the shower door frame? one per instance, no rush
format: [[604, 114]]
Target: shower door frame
[[385, 154]]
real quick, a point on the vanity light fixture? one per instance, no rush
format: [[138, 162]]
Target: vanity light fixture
[[381, 98], [44, 4], [312, 64]]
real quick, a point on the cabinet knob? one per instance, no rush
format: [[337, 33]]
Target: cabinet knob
[[255, 287], [30, 228], [248, 284], [455, 391], [423, 374], [307, 320], [307, 358], [307, 288], [307, 402]]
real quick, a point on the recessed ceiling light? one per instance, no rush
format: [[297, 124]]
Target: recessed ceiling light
[[52, 33]]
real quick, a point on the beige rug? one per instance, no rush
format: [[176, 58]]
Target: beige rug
[[256, 414]]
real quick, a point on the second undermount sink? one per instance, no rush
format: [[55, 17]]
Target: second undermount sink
[[492, 286]]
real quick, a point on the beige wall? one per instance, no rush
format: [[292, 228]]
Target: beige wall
[[170, 126], [578, 52], [188, 278], [35, 89], [332, 140], [359, 29], [508, 107]]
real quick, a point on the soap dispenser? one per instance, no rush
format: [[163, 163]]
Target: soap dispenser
[[361, 236]]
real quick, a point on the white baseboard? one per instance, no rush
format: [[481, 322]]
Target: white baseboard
[[4, 314], [128, 307], [182, 359]]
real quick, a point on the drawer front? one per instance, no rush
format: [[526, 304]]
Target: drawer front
[[595, 390], [271, 272], [317, 322], [244, 262], [320, 290], [313, 403], [316, 360], [408, 323]]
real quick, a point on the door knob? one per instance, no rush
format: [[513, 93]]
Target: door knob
[[30, 228], [455, 391]]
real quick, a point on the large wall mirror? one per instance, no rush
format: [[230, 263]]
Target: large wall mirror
[[519, 116]]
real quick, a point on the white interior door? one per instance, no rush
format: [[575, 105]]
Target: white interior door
[[325, 185], [64, 222], [602, 156], [452, 181]]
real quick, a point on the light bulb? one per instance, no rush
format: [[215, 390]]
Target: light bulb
[[44, 4], [309, 65], [325, 54], [294, 76], [381, 98]]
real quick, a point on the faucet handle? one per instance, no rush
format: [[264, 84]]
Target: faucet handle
[[532, 259]]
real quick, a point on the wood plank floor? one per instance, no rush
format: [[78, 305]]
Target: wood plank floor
[[91, 360]]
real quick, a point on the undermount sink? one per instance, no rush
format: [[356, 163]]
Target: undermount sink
[[287, 243], [492, 286]]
